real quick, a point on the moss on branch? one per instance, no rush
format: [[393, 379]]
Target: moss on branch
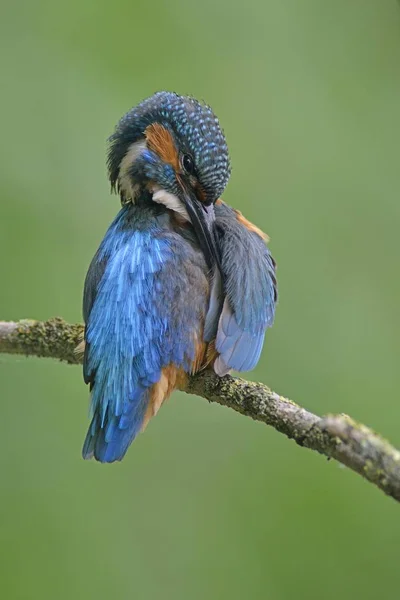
[[334, 436], [47, 339]]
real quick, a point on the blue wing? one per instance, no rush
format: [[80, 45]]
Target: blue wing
[[251, 294], [139, 312]]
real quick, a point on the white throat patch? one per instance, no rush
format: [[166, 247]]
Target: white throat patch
[[170, 201], [129, 190]]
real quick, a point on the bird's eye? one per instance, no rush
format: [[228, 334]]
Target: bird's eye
[[188, 164]]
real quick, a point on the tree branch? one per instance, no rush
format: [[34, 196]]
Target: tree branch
[[334, 436]]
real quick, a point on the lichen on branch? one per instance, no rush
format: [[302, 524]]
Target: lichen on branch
[[334, 436]]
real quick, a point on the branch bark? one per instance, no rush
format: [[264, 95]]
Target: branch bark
[[335, 436]]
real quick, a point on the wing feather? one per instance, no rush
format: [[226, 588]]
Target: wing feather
[[251, 293]]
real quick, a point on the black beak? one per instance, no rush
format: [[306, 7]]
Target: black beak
[[203, 221]]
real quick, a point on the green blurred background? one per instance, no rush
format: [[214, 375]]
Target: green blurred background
[[207, 504]]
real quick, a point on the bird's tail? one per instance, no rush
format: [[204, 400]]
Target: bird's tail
[[108, 439]]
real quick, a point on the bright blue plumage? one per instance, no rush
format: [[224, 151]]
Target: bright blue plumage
[[180, 282], [130, 331]]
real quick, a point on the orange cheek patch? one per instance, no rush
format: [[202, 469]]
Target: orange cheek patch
[[160, 140]]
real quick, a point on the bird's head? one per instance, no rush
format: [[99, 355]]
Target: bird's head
[[172, 147]]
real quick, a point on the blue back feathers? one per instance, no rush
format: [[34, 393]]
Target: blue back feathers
[[145, 296], [148, 294]]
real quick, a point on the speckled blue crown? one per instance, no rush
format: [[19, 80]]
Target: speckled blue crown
[[196, 130]]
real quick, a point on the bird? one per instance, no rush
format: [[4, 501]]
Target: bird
[[181, 281]]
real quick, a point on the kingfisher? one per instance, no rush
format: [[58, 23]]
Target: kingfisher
[[181, 281]]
